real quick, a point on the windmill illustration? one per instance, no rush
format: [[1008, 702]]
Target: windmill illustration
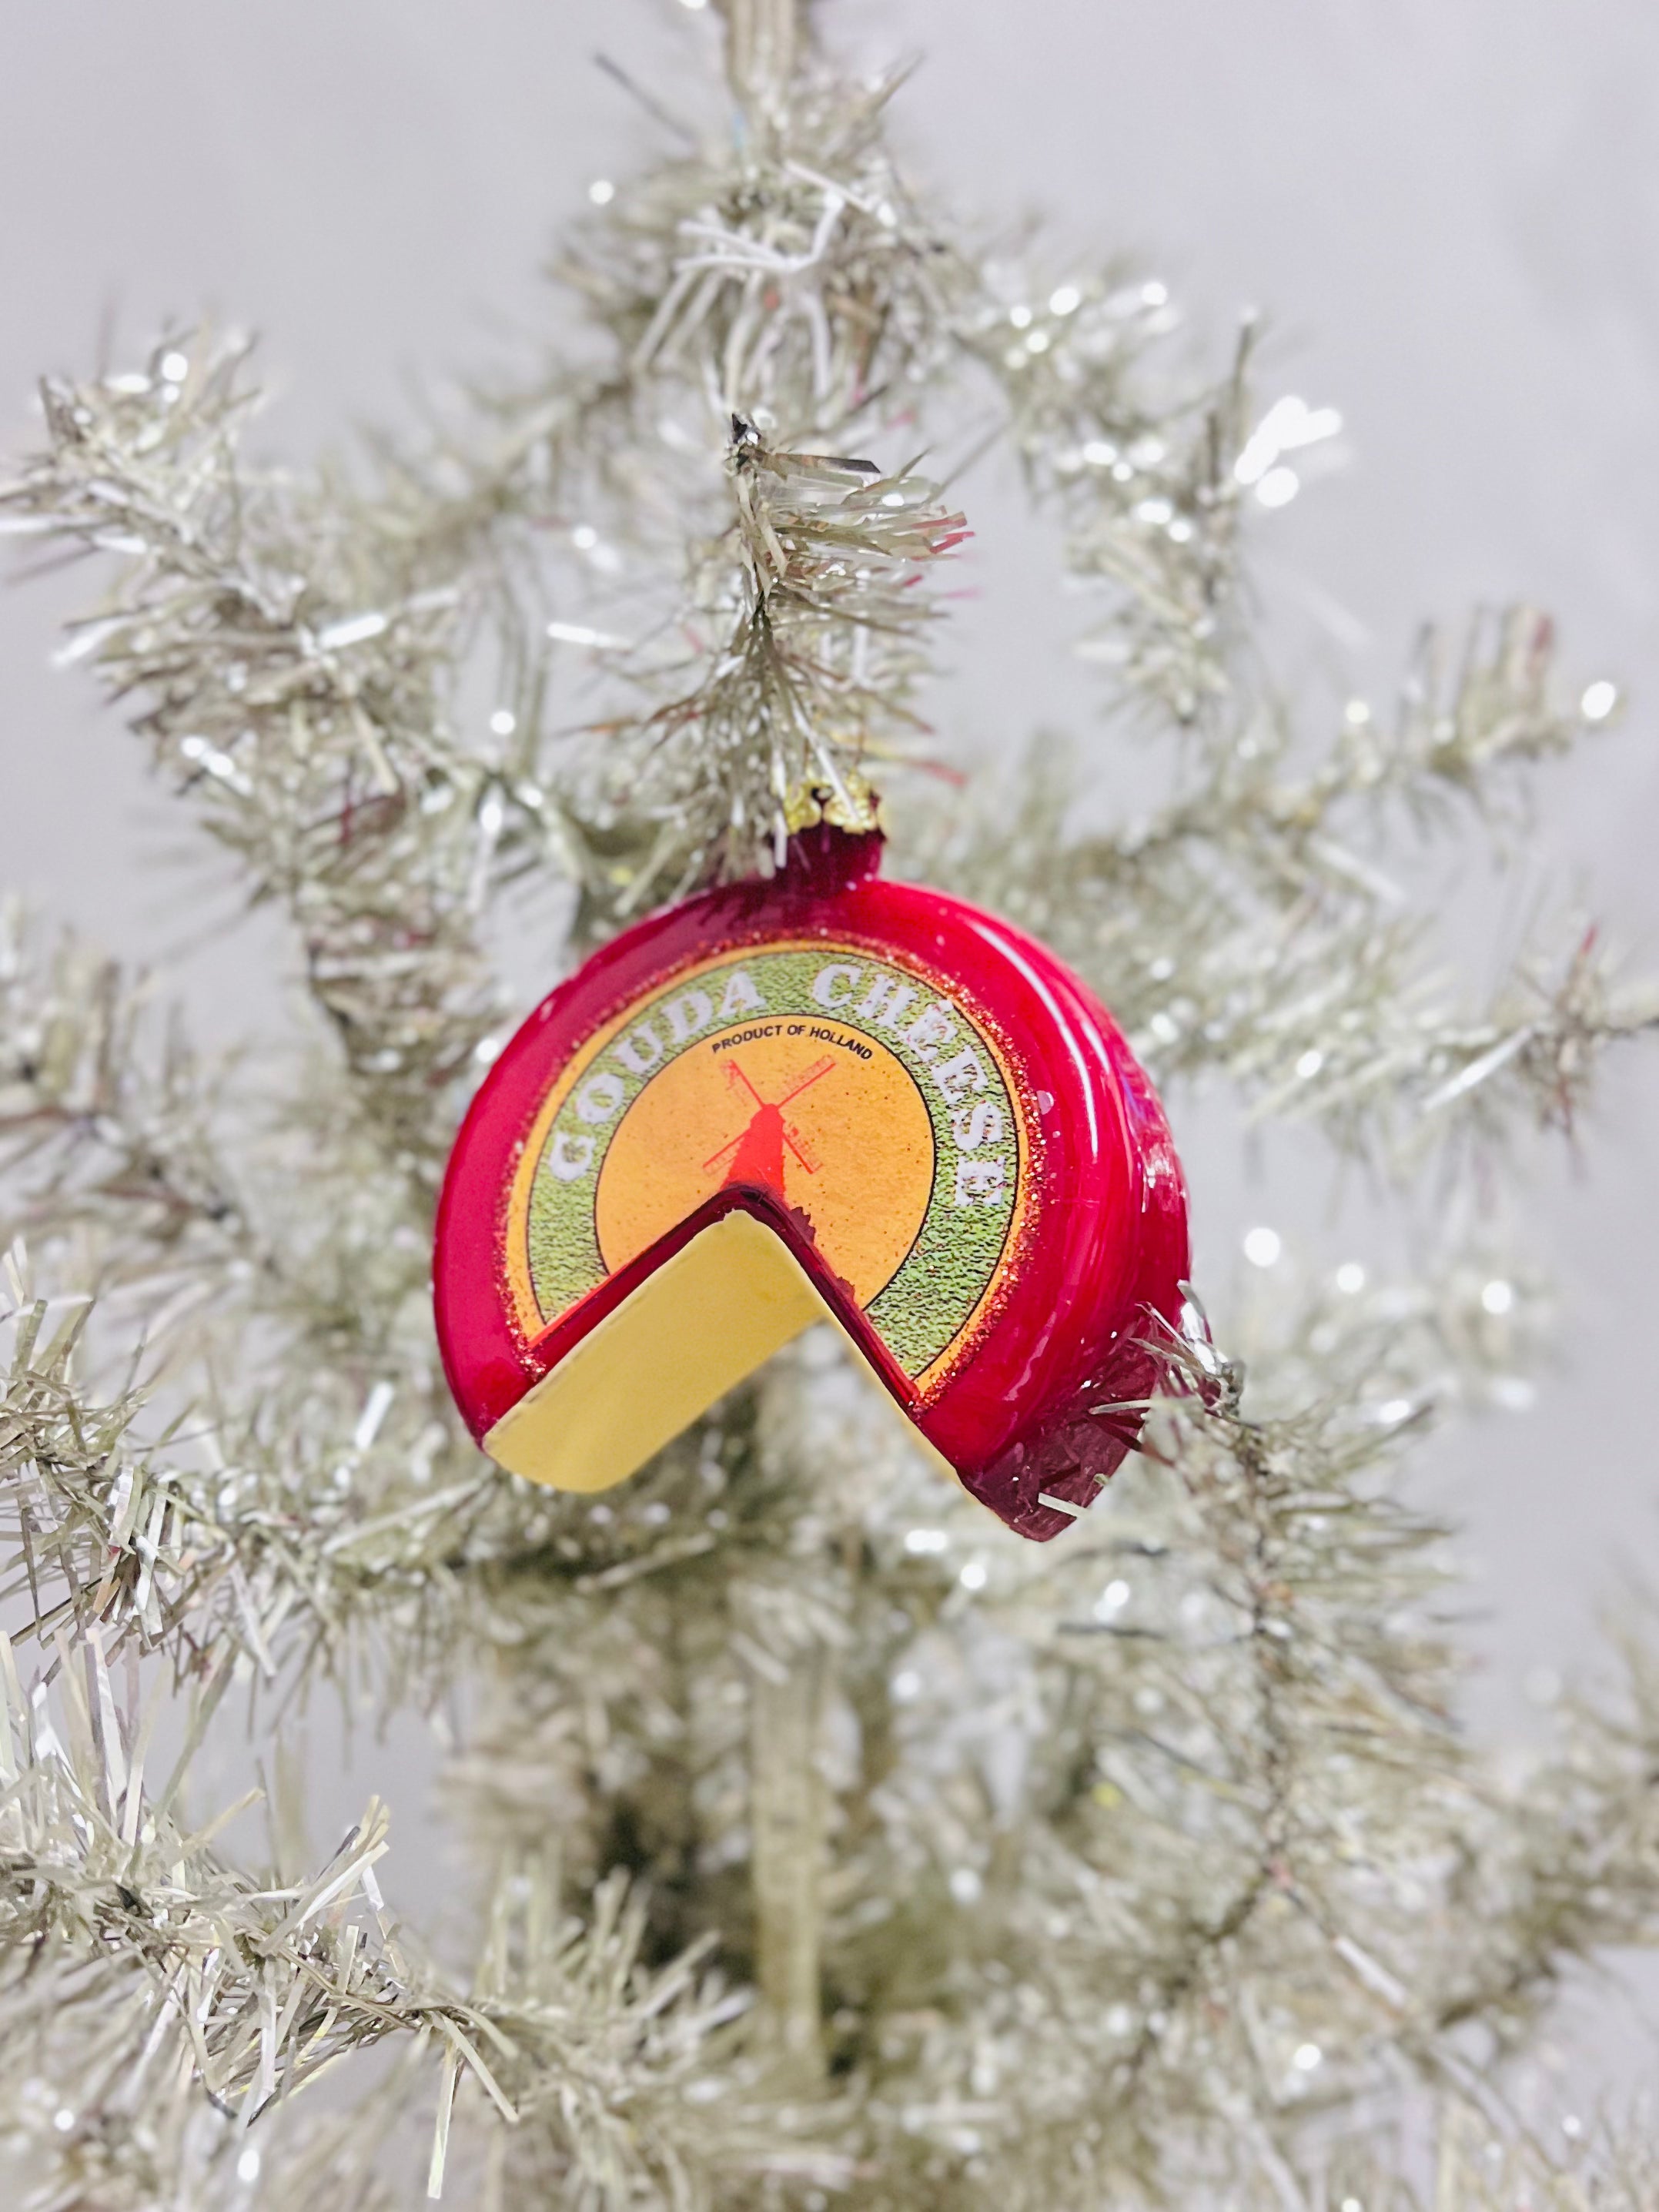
[[757, 1149]]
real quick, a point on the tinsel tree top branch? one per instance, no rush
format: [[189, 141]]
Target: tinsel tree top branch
[[785, 271], [765, 41]]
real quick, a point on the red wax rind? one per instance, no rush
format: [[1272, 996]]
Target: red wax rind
[[936, 1118]]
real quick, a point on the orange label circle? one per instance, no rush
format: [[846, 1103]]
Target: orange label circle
[[842, 1137]]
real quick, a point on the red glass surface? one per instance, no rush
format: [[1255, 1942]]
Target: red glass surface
[[1033, 1409]]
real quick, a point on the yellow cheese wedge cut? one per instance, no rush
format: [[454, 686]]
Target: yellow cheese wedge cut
[[691, 1332]]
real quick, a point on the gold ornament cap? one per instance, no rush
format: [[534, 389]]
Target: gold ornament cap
[[851, 807]]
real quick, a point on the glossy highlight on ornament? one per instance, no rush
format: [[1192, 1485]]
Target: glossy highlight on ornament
[[823, 1095]]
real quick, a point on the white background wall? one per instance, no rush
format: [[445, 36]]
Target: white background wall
[[1448, 209]]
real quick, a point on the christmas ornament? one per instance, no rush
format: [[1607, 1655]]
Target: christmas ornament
[[826, 1094]]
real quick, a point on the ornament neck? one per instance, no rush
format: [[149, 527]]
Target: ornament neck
[[822, 858]]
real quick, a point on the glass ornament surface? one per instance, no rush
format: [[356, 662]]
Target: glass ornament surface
[[824, 1095]]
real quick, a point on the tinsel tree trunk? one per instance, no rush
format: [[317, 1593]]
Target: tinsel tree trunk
[[832, 1844]]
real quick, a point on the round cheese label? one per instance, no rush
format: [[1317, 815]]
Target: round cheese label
[[855, 1089]]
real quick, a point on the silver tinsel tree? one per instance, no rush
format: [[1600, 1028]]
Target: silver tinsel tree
[[833, 1846]]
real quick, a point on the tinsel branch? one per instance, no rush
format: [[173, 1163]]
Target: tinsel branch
[[109, 1130], [1148, 491], [256, 1988], [1256, 928], [204, 1553], [284, 668]]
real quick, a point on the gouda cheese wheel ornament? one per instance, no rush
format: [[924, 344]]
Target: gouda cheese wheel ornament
[[826, 1094]]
